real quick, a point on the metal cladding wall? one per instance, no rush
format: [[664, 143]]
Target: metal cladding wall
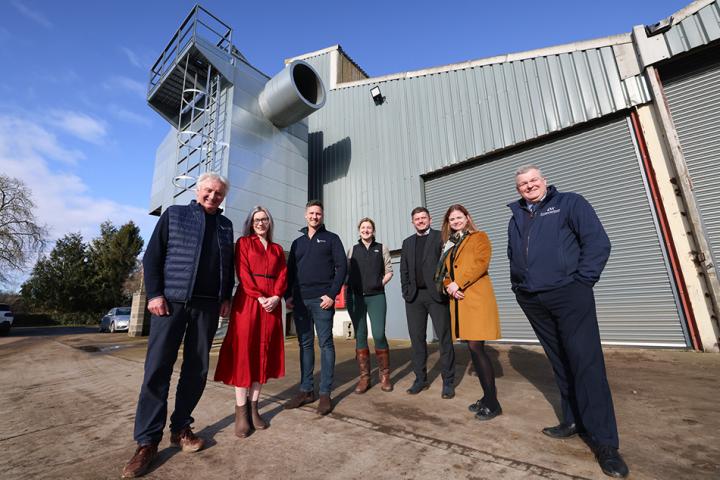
[[699, 28], [694, 100], [635, 297], [266, 165], [366, 159], [321, 64]]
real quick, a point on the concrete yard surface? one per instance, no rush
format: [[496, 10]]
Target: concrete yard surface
[[68, 402]]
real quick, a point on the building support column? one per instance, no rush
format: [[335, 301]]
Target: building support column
[[699, 275], [139, 314]]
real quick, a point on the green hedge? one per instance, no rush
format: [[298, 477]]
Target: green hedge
[[33, 320], [49, 319]]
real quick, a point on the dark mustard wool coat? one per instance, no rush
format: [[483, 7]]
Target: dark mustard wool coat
[[474, 317]]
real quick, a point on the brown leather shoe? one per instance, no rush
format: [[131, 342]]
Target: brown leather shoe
[[301, 398], [362, 356], [325, 405], [242, 425], [186, 440], [257, 421], [383, 359], [140, 461]]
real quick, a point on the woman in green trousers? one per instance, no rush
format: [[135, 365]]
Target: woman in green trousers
[[370, 269]]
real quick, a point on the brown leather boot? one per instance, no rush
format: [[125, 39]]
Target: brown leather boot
[[383, 359], [257, 420], [141, 460], [363, 359], [324, 405], [242, 425], [301, 398]]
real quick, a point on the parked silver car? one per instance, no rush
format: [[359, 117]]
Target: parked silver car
[[116, 320], [6, 318]]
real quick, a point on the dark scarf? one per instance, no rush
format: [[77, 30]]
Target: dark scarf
[[441, 270]]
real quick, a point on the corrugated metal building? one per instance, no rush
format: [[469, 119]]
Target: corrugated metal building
[[629, 121]]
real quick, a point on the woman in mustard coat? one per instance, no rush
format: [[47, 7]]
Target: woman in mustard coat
[[474, 317]]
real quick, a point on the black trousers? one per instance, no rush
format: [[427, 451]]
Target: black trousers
[[417, 312], [197, 321], [565, 322]]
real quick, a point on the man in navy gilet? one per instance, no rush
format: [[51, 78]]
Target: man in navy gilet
[[189, 277], [557, 249]]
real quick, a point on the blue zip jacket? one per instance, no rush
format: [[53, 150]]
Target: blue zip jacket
[[316, 266], [560, 242], [170, 263]]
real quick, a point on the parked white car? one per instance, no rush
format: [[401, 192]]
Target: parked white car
[[116, 320], [6, 318]]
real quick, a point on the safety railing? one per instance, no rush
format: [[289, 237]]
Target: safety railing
[[198, 24]]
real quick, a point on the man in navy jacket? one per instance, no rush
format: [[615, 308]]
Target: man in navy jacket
[[189, 277], [316, 271], [557, 249]]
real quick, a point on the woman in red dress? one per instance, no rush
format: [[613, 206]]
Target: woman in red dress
[[253, 348]]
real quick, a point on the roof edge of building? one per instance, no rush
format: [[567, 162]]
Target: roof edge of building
[[689, 10], [609, 41]]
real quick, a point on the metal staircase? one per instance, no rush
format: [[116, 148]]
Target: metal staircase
[[190, 92]]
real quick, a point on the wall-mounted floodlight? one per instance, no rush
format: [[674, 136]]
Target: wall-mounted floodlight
[[377, 95], [660, 27]]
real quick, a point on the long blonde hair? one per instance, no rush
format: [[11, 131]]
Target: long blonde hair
[[445, 231]]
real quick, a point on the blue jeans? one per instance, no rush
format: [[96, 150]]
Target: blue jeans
[[308, 314]]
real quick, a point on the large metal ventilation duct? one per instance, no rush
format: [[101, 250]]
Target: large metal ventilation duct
[[292, 94]]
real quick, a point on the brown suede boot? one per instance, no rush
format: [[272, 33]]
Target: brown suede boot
[[383, 359], [242, 425], [363, 359], [186, 440], [257, 420]]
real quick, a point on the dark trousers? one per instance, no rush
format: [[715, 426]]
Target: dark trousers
[[565, 322], [417, 312], [197, 321]]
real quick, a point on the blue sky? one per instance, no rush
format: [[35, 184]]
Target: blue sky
[[74, 124]]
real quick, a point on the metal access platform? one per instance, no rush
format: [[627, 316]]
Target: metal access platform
[[187, 87]]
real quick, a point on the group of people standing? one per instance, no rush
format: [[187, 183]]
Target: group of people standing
[[557, 249]]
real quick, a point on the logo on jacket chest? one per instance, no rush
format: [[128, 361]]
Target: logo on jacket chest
[[550, 211]]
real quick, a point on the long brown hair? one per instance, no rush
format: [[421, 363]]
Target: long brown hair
[[445, 231]]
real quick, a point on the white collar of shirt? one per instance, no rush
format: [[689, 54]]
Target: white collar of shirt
[[531, 206], [426, 232]]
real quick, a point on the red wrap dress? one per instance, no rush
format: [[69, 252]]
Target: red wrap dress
[[253, 348]]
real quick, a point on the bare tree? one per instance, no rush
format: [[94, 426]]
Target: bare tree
[[21, 237]]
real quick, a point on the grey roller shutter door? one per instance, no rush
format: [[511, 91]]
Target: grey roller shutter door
[[694, 101], [635, 298]]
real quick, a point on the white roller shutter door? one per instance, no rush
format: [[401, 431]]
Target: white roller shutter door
[[694, 100]]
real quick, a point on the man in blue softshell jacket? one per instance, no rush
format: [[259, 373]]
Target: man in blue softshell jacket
[[557, 249]]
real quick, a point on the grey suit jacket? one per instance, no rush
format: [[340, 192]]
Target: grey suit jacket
[[431, 255]]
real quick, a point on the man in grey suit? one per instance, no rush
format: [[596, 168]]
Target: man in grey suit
[[418, 261]]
